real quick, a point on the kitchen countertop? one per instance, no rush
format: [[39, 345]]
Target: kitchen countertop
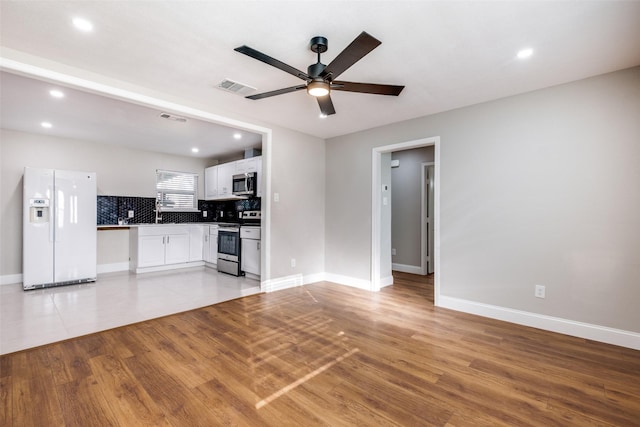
[[127, 226]]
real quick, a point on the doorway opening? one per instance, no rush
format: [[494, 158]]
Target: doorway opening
[[381, 265]]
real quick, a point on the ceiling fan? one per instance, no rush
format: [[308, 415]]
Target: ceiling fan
[[320, 78]]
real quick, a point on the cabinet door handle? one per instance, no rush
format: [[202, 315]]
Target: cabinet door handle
[[258, 245], [167, 240]]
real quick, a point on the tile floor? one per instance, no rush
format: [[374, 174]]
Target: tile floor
[[32, 318]]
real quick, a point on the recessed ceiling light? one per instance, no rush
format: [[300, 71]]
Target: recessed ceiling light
[[237, 135], [525, 53], [56, 93], [46, 125], [194, 150], [83, 24]]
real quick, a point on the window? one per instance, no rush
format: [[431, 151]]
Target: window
[[177, 191]]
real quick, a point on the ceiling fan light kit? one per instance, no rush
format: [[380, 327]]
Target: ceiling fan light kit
[[318, 87], [320, 78]]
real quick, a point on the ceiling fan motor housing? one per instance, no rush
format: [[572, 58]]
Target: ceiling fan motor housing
[[314, 70], [317, 44]]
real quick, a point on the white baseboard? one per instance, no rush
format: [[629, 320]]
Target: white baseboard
[[386, 281], [112, 268], [169, 267], [348, 281], [413, 269], [554, 324], [313, 278], [10, 279], [281, 283]]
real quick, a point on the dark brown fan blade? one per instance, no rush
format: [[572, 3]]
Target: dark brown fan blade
[[277, 92], [367, 88], [272, 61], [362, 45], [326, 105]]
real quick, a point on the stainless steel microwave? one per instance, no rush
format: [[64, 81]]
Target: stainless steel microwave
[[245, 184]]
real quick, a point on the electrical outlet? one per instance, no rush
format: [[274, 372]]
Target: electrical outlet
[[393, 251], [540, 291], [130, 214], [204, 214], [293, 262], [276, 197]]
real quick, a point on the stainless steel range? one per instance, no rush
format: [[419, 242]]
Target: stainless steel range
[[229, 249]]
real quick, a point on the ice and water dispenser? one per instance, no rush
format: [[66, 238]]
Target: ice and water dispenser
[[38, 210]]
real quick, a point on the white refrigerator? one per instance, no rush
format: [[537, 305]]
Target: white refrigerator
[[59, 228]]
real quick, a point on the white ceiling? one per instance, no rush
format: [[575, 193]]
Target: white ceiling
[[447, 54], [26, 103]]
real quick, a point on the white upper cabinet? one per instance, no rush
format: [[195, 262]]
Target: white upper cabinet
[[225, 178], [211, 183], [248, 165], [218, 180]]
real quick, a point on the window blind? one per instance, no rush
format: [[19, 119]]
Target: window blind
[[177, 191]]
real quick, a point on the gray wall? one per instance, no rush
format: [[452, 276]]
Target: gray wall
[[406, 209], [297, 220], [540, 188]]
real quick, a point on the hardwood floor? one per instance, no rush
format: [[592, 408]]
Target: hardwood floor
[[323, 354]]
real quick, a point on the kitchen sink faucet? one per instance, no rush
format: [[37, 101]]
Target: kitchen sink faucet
[[158, 216]]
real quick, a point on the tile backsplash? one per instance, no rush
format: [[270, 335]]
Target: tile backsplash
[[112, 208]]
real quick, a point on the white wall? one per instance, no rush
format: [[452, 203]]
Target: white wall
[[120, 172], [540, 188], [297, 170], [406, 208]]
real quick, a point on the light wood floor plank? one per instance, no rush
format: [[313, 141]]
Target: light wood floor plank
[[323, 355]]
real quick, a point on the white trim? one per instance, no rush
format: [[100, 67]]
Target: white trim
[[424, 242], [376, 213], [10, 279], [313, 278], [350, 281], [436, 224], [168, 267], [386, 281], [281, 283], [413, 269], [554, 324], [112, 268]]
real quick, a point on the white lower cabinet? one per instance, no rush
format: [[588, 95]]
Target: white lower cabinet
[[151, 251], [160, 247], [250, 250], [196, 241], [211, 246]]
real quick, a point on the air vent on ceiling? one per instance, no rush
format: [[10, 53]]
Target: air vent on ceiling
[[173, 117], [235, 87]]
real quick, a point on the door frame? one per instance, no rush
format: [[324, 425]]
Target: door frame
[[424, 240], [376, 209]]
